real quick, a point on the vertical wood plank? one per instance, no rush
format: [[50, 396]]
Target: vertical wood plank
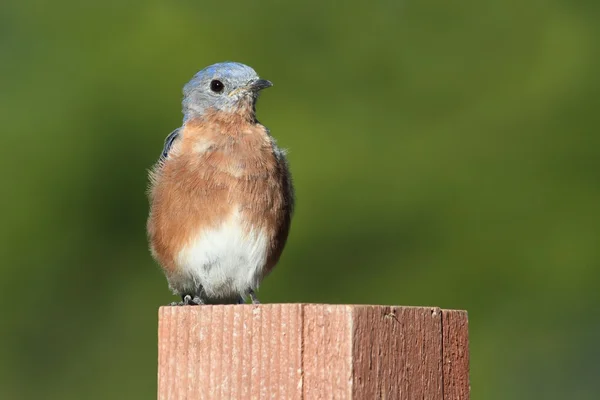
[[455, 335], [398, 353], [327, 355]]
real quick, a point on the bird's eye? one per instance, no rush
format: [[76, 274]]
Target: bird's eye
[[216, 86]]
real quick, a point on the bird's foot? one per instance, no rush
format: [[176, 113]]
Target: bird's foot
[[188, 300], [253, 297], [192, 301]]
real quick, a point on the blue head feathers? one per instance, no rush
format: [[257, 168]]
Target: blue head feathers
[[224, 86]]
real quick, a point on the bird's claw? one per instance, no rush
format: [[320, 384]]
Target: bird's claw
[[188, 300], [253, 297]]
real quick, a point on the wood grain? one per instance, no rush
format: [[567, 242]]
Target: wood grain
[[397, 353], [455, 336], [312, 351]]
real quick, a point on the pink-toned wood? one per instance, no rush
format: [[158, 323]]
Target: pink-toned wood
[[312, 351], [455, 336], [327, 356]]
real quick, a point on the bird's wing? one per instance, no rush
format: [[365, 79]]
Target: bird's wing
[[173, 136], [156, 171]]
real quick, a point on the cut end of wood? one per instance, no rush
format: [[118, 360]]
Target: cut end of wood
[[312, 351]]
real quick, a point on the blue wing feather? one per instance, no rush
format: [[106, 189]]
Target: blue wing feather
[[168, 143]]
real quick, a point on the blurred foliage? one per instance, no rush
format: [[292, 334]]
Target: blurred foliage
[[444, 153]]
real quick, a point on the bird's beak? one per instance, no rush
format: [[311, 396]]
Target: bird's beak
[[259, 84], [253, 86]]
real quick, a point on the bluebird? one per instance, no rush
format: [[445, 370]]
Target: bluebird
[[221, 194]]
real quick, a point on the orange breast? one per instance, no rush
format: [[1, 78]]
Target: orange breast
[[222, 162]]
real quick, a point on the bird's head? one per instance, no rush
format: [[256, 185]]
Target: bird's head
[[228, 87]]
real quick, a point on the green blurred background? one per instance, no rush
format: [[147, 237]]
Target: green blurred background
[[444, 153]]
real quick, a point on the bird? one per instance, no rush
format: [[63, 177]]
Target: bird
[[221, 193]]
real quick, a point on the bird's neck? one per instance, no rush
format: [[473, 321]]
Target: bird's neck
[[244, 111], [224, 121]]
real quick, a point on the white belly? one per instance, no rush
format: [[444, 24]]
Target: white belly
[[226, 260]]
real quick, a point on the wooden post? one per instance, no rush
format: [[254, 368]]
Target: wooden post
[[312, 351]]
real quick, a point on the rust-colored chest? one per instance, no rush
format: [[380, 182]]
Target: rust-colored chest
[[219, 166]]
